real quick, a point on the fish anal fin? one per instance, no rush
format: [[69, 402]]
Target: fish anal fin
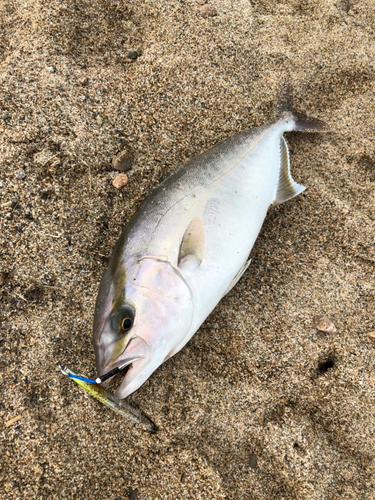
[[192, 244], [286, 188], [238, 276]]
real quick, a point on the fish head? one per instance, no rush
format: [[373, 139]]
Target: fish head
[[143, 311]]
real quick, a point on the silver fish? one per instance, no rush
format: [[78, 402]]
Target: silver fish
[[187, 246]]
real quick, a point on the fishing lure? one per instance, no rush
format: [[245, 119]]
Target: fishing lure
[[100, 393]]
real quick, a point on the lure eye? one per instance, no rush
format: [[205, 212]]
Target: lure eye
[[126, 324]]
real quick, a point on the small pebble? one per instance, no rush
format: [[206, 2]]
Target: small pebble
[[324, 324], [133, 55], [19, 174], [4, 116], [99, 121], [371, 336], [51, 69], [83, 80], [208, 11], [345, 5], [201, 2], [253, 460], [132, 494], [123, 161], [12, 421], [120, 180]]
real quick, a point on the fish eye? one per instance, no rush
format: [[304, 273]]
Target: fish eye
[[123, 320], [126, 324]]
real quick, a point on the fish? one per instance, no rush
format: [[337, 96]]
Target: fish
[[118, 405], [187, 246]]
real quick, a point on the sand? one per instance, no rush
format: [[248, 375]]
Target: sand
[[260, 404]]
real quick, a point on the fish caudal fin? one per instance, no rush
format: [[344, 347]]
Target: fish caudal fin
[[303, 122], [287, 188], [299, 121]]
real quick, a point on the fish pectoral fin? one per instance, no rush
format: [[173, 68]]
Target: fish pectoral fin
[[192, 244], [286, 187], [238, 276]]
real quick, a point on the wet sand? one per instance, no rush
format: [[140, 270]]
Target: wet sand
[[260, 404]]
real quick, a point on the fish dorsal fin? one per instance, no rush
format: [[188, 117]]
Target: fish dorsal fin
[[192, 244], [286, 187]]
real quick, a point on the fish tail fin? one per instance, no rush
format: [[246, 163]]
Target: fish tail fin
[[286, 187], [303, 122], [300, 121]]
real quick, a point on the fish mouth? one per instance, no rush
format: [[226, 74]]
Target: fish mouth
[[124, 366], [135, 354], [119, 383], [116, 381]]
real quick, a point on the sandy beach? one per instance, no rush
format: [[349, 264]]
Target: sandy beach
[[260, 404]]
